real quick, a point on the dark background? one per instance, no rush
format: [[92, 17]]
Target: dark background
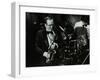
[[35, 21]]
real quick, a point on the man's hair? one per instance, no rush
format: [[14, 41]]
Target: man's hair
[[48, 18]]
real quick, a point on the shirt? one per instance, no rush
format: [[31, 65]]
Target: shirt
[[50, 38]]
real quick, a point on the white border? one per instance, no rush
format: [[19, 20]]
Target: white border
[[19, 68]]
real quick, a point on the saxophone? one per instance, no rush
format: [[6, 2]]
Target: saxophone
[[52, 53]]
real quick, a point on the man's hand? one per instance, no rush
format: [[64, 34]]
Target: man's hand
[[45, 54], [54, 45]]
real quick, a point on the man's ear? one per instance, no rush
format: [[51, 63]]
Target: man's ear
[[45, 25]]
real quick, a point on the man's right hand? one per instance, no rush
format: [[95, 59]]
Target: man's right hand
[[45, 54]]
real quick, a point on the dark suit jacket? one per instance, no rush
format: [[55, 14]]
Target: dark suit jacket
[[41, 42]]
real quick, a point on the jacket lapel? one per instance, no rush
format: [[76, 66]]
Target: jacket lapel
[[45, 39]]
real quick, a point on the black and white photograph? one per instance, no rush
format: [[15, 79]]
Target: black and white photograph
[[54, 39]]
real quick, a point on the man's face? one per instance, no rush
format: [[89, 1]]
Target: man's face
[[49, 24]]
